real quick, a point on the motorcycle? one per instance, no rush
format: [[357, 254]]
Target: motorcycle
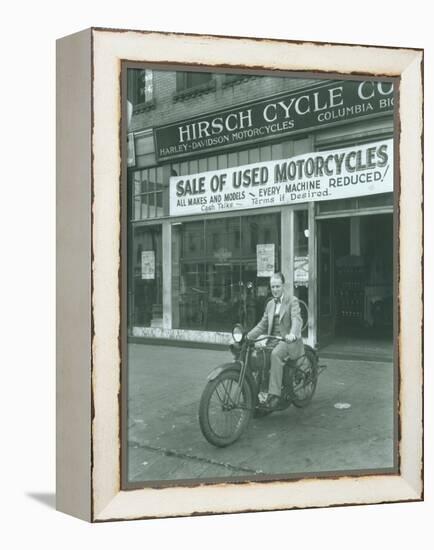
[[235, 391]]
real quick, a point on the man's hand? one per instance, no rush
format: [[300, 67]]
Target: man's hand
[[290, 338]]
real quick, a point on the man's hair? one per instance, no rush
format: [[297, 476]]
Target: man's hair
[[280, 275]]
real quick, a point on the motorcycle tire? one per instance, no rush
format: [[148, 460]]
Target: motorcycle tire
[[303, 380], [220, 420]]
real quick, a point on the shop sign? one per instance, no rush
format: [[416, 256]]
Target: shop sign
[[265, 260], [327, 175], [148, 264], [301, 270], [287, 113]]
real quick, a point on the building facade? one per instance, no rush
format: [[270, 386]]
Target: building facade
[[231, 177]]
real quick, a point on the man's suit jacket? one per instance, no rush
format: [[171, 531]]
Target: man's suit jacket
[[290, 318]]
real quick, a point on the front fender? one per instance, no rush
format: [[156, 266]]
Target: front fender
[[235, 365]]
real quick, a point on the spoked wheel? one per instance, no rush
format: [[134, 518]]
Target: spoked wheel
[[222, 417], [304, 378]]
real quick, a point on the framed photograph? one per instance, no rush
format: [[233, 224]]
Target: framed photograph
[[239, 267]]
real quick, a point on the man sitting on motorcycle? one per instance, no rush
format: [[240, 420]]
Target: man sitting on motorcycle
[[281, 318]]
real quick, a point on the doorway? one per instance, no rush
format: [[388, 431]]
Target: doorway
[[355, 278]]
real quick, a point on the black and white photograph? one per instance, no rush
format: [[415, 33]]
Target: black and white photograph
[[259, 265]]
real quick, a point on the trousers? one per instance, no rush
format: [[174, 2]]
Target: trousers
[[279, 353]]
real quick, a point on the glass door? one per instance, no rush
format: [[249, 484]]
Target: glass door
[[302, 268]]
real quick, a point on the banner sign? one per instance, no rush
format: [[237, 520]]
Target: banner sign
[[334, 102], [339, 174], [265, 260], [148, 264]]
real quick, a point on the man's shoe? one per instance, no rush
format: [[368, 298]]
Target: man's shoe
[[271, 403]]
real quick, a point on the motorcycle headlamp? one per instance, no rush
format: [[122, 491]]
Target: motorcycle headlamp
[[237, 333]]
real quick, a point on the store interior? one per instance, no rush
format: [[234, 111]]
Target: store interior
[[355, 282]]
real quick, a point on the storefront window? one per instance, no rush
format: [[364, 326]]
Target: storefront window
[[216, 282], [372, 201], [355, 203], [147, 193], [301, 264], [260, 237], [146, 299]]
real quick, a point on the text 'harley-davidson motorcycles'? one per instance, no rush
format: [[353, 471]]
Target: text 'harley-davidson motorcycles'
[[235, 390]]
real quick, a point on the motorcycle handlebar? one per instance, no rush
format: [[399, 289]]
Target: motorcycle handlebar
[[266, 337]]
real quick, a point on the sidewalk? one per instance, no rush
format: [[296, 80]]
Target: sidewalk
[[359, 349], [165, 441]]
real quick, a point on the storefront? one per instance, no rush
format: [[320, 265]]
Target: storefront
[[299, 182]]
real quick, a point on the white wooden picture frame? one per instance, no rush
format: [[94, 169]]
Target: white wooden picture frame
[[89, 268]]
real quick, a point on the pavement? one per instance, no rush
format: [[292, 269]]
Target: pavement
[[348, 426]]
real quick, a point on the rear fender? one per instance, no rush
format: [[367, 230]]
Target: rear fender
[[290, 363], [311, 349]]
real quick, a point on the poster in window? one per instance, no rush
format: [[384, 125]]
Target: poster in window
[[301, 270], [265, 259], [148, 264]]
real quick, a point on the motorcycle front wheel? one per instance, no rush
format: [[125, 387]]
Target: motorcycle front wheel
[[222, 417], [304, 378]]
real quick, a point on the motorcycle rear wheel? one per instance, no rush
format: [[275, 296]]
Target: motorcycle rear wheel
[[303, 380], [221, 420]]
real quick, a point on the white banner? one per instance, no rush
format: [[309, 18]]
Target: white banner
[[326, 175]]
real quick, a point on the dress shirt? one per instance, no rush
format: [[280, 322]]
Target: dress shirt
[[278, 303]]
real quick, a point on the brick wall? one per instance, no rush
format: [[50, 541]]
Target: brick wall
[[168, 109]]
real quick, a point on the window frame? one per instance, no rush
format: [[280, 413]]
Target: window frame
[[133, 77], [184, 90]]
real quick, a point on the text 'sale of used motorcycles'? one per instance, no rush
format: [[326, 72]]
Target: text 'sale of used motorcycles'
[[234, 390]]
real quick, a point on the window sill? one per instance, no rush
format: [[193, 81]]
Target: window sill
[[193, 92], [239, 80], [144, 107]]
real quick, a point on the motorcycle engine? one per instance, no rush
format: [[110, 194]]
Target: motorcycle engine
[[258, 360]]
